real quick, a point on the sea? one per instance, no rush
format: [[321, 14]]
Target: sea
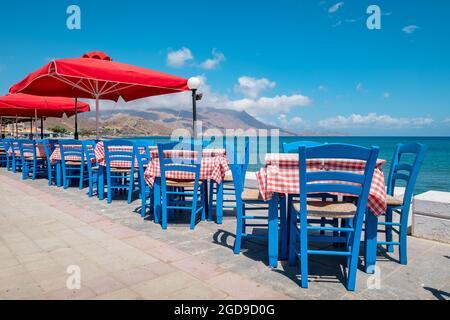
[[435, 170]]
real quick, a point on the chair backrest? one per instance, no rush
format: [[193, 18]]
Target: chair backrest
[[15, 148], [407, 171], [119, 150], [293, 146], [238, 157], [49, 147], [89, 152], [27, 149], [187, 158], [142, 152], [349, 183], [71, 149]]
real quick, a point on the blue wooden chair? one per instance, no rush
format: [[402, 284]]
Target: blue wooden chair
[[293, 146], [307, 211], [248, 200], [92, 165], [16, 159], [119, 178], [30, 161], [4, 146], [143, 157], [73, 169], [181, 195], [49, 147], [406, 170]]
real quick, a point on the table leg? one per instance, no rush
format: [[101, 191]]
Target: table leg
[[284, 234], [58, 173], [157, 200], [101, 182], [219, 203], [370, 243], [273, 231]]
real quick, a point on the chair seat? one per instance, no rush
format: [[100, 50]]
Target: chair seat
[[251, 195], [329, 209], [228, 179], [73, 163], [393, 201], [121, 170], [182, 184]]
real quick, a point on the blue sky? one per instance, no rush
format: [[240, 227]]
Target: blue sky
[[305, 65]]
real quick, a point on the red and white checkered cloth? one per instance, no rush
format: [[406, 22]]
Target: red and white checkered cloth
[[56, 155], [40, 152], [100, 155], [213, 167], [281, 175]]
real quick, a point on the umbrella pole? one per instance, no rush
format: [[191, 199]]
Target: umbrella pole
[[42, 127], [75, 136], [31, 128], [194, 113], [97, 116]]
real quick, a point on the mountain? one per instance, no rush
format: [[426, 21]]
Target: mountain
[[163, 121]]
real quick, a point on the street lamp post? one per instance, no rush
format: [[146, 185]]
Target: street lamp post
[[193, 84]]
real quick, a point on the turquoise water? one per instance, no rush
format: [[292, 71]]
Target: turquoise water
[[435, 171]]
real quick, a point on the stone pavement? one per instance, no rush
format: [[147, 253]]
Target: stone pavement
[[44, 230]]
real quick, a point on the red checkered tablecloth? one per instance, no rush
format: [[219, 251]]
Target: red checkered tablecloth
[[281, 175], [40, 152], [100, 155], [56, 155], [213, 167]]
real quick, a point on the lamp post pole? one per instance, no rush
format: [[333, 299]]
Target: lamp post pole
[[194, 112], [75, 136]]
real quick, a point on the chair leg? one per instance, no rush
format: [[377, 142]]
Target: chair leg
[[210, 199], [164, 211], [194, 209], [130, 187], [403, 250], [219, 203], [388, 230], [156, 201], [203, 199], [109, 192], [304, 250], [292, 218], [239, 228], [352, 267]]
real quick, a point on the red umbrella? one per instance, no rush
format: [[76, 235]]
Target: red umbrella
[[96, 76], [24, 105]]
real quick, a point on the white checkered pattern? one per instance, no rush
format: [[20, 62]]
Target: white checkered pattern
[[40, 152], [100, 155], [281, 175]]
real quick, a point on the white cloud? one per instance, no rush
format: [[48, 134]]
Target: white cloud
[[386, 95], [178, 58], [335, 7], [410, 29], [269, 105], [373, 120], [213, 62], [251, 87], [258, 106], [360, 87], [322, 88]]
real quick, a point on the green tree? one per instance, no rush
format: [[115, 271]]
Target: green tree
[[86, 132], [58, 129]]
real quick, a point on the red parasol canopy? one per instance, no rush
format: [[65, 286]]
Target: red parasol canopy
[[24, 105], [96, 76]]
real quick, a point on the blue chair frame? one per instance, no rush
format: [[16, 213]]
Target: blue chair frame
[[119, 179], [316, 182], [30, 162], [143, 157], [92, 165], [4, 159], [49, 147], [402, 171], [16, 160], [176, 194], [73, 169]]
